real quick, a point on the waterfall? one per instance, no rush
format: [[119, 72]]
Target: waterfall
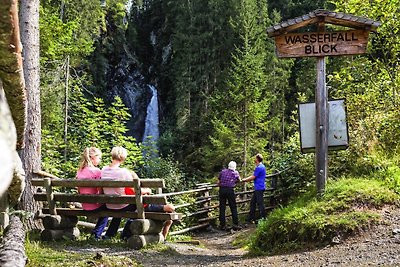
[[151, 132]]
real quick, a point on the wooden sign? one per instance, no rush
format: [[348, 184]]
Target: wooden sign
[[319, 44]]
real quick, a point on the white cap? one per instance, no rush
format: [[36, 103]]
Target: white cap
[[232, 166]]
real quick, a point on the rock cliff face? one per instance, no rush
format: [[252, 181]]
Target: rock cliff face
[[127, 82]]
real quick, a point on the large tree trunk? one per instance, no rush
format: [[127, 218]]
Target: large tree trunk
[[11, 65], [12, 252], [29, 25]]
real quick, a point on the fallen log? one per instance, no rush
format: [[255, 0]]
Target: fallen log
[[12, 250]]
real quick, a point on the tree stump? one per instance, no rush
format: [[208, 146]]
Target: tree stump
[[139, 241], [146, 226], [59, 227], [60, 234], [56, 222]]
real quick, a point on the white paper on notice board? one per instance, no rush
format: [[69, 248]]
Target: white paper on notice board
[[337, 135]]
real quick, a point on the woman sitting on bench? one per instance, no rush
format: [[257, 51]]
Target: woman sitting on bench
[[90, 159], [115, 172]]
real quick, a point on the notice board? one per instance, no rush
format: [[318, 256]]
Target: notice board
[[338, 137]]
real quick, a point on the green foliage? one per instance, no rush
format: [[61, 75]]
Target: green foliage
[[241, 123], [308, 221], [91, 124], [167, 169], [370, 84], [298, 169]]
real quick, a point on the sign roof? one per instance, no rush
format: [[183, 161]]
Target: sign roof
[[321, 15]]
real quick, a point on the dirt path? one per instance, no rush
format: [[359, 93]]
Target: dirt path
[[379, 246]]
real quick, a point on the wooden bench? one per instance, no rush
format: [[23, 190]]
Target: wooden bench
[[60, 222]]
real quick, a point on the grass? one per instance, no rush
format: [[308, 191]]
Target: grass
[[47, 254], [347, 206]]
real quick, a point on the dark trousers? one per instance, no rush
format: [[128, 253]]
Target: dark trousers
[[227, 193], [257, 199], [115, 222], [101, 223]]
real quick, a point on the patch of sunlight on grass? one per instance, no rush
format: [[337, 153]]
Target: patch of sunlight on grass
[[40, 254]]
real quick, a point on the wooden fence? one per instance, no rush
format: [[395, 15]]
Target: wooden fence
[[204, 210]]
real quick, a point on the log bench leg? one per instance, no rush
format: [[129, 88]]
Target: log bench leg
[[59, 227], [145, 232]]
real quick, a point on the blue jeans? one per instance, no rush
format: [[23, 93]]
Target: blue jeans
[[101, 222], [257, 199], [115, 222]]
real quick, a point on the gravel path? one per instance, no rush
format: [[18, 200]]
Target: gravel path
[[379, 246]]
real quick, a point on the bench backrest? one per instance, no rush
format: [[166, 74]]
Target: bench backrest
[[51, 196]]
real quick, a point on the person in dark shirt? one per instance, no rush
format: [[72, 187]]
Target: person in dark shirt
[[227, 180]]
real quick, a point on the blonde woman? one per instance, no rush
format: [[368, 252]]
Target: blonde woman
[[115, 172], [88, 170]]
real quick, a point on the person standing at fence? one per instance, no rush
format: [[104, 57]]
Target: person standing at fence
[[227, 180], [258, 177], [90, 159]]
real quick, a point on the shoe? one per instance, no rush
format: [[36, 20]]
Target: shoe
[[106, 237], [236, 227], [223, 228]]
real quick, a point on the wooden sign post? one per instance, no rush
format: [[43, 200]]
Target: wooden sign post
[[322, 124], [320, 44]]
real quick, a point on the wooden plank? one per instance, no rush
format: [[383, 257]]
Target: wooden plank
[[203, 189], [71, 183], [49, 196], [203, 225], [111, 199], [117, 214], [45, 174], [318, 44], [139, 199]]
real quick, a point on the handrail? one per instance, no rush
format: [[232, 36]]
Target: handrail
[[71, 183]]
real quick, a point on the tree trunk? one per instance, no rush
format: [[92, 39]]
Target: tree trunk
[[12, 253], [29, 25], [11, 66], [66, 108]]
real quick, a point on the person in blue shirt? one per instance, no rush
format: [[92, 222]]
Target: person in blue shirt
[[259, 187]]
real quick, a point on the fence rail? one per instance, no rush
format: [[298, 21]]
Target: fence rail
[[204, 210]]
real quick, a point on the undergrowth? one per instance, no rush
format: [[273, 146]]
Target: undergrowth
[[348, 205]]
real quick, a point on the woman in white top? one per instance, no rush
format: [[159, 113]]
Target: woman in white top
[[115, 172]]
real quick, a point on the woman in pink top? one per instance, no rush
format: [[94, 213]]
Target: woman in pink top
[[88, 170], [115, 172]]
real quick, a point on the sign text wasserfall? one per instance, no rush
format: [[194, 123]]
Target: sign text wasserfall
[[318, 44]]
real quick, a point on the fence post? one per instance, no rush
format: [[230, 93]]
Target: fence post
[[139, 199], [50, 196], [205, 194], [274, 181]]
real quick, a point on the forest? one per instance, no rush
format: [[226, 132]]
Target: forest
[[222, 92], [188, 86]]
